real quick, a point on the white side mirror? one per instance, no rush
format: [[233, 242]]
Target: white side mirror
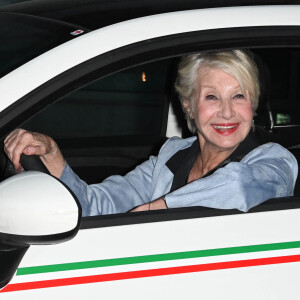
[[36, 208]]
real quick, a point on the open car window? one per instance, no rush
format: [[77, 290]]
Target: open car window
[[116, 122], [131, 103], [134, 102], [112, 124]]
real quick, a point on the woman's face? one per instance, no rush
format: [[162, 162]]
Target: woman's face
[[222, 112]]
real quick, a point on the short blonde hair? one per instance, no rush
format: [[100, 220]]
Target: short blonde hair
[[237, 63]]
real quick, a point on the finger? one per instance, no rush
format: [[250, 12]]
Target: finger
[[141, 208], [16, 145], [8, 144], [11, 140], [13, 135], [9, 147], [15, 157], [14, 132], [35, 150]]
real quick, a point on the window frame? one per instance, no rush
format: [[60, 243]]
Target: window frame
[[183, 213], [139, 53]]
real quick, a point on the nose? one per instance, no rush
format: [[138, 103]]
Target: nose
[[226, 110]]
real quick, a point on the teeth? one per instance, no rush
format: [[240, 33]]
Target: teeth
[[224, 127]]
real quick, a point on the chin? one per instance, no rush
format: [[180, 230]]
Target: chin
[[228, 145]]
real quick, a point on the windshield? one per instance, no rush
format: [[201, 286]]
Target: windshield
[[23, 38]]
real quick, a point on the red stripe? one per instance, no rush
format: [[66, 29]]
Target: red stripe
[[150, 273]]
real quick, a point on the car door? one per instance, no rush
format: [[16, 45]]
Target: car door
[[175, 253]]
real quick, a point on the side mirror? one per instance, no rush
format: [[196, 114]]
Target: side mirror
[[35, 208]]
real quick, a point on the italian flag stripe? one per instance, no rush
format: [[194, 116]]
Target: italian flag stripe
[[156, 258], [150, 273]]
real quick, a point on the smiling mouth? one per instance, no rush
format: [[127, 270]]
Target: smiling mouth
[[225, 129]]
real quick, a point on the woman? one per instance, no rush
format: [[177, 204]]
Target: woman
[[223, 166]]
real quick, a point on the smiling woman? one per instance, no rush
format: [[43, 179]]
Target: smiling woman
[[219, 92], [223, 118]]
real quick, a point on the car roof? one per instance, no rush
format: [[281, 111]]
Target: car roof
[[94, 14], [105, 40], [24, 37]]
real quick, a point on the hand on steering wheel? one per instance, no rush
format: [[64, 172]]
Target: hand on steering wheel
[[34, 151]]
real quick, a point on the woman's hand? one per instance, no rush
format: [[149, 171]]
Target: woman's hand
[[32, 143], [154, 205]]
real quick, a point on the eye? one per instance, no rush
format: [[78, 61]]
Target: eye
[[211, 97], [239, 96]]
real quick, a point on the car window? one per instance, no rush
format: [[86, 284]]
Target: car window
[[112, 124], [100, 127], [129, 103], [136, 99]]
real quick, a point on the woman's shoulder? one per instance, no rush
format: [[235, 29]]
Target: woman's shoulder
[[175, 144], [178, 143], [268, 151]]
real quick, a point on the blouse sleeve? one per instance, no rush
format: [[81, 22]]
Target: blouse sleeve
[[266, 172], [116, 194]]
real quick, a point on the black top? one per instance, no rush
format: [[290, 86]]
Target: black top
[[181, 163]]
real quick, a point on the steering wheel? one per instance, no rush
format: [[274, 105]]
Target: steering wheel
[[28, 162], [33, 163]]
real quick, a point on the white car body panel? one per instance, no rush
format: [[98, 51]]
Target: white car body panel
[[162, 238], [54, 62]]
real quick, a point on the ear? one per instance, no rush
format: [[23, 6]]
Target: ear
[[187, 106]]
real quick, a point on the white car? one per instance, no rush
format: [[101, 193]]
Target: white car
[[107, 97]]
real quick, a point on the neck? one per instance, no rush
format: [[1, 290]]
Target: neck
[[208, 159]]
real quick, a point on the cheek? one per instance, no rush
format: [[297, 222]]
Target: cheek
[[205, 111], [246, 112]]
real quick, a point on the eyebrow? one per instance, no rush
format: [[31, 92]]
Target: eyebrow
[[209, 86], [238, 87]]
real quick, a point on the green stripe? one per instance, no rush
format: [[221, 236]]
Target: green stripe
[[155, 258]]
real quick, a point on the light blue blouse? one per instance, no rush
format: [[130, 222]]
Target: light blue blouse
[[266, 172]]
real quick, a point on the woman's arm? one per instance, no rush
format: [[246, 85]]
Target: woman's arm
[[119, 194], [116, 194], [266, 172]]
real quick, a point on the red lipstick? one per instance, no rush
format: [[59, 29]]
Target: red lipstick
[[225, 128]]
